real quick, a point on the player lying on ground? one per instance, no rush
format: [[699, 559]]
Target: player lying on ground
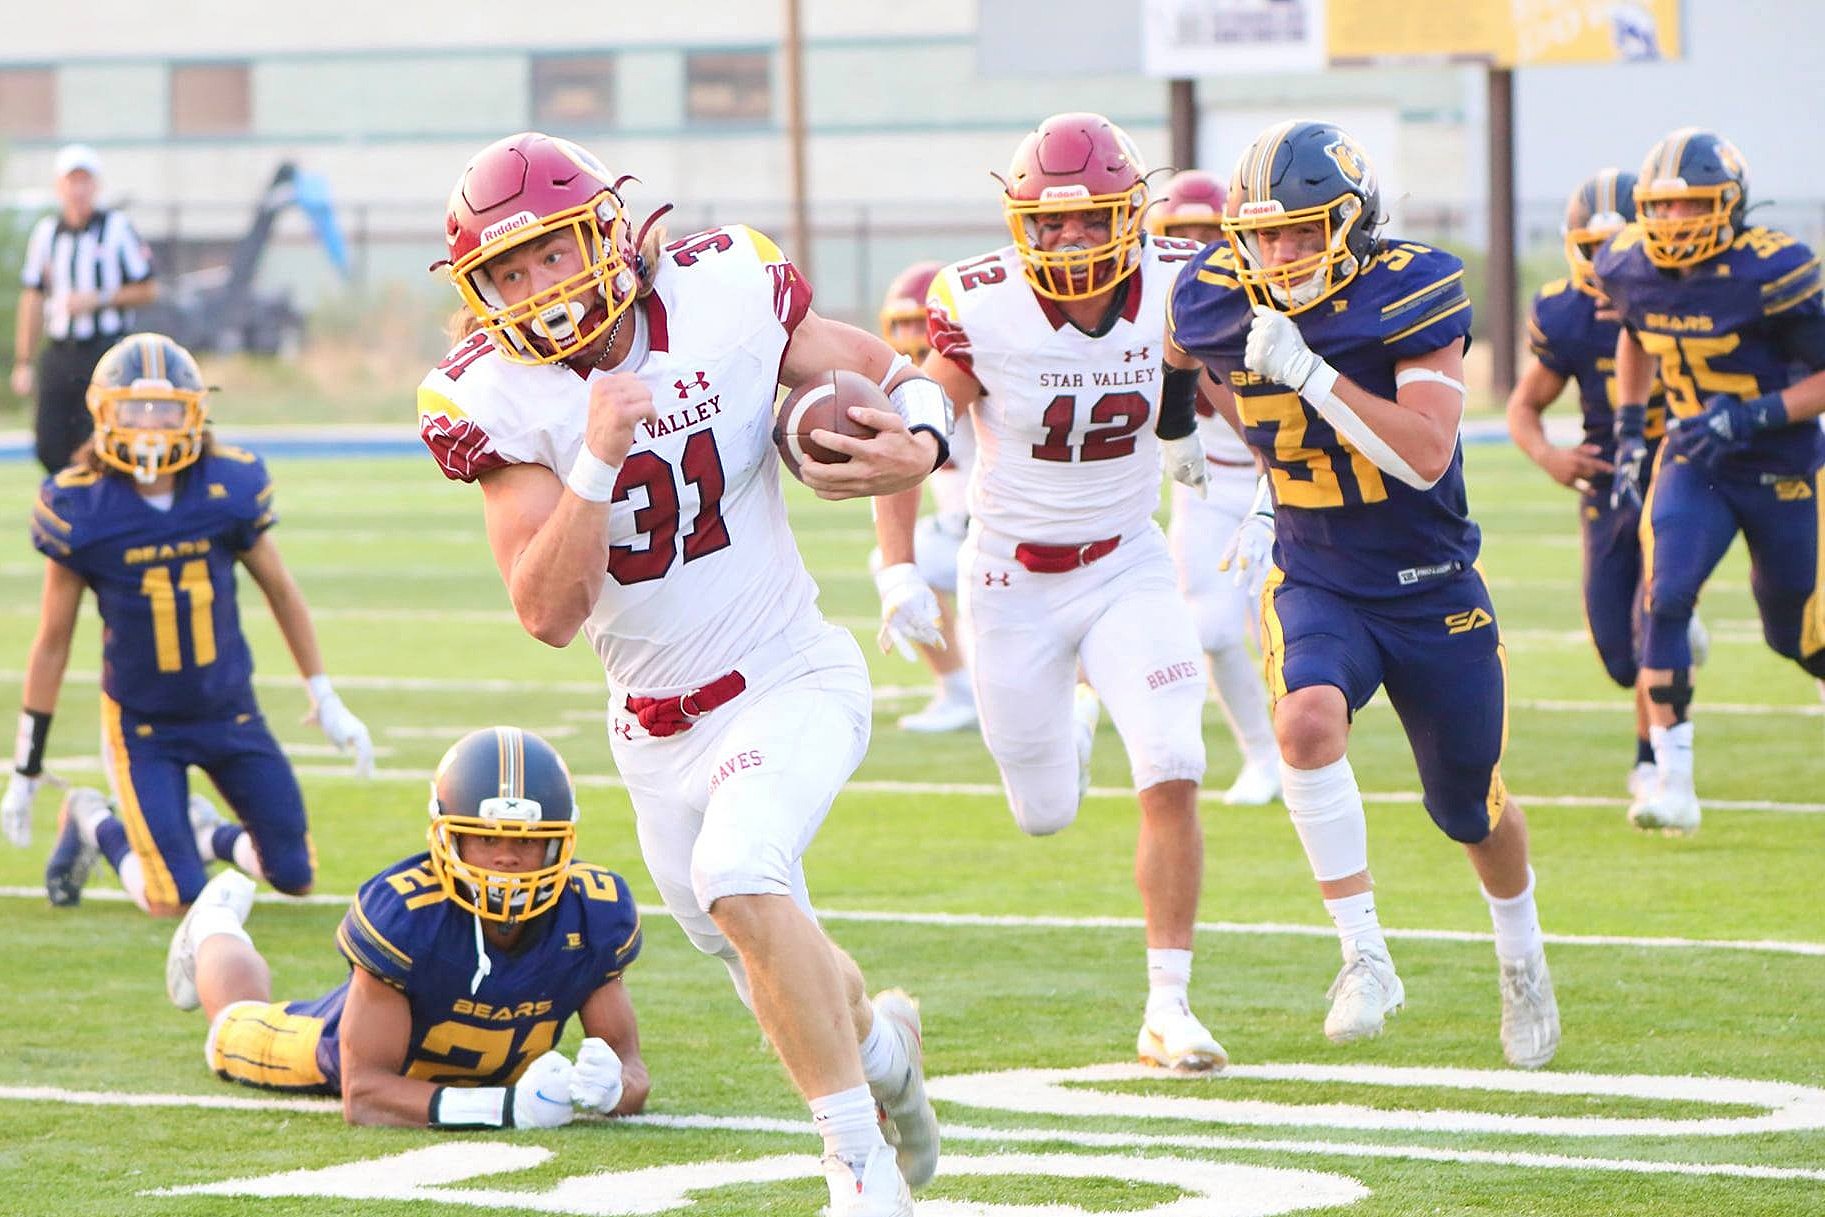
[[1340, 354], [465, 964], [153, 516], [616, 405]]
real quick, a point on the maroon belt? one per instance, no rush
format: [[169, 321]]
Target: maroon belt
[[663, 716], [1057, 559]]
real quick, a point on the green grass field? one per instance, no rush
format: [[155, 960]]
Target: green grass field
[[1426, 1119]]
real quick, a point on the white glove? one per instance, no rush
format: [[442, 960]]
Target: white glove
[[340, 727], [16, 807], [541, 1098], [1250, 551], [1184, 461], [909, 610], [1277, 350], [595, 1081]]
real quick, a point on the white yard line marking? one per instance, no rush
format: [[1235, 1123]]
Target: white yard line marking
[[332, 772], [796, 1128], [1029, 921]]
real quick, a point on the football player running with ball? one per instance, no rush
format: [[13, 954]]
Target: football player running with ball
[[154, 516], [415, 1036], [1224, 612], [615, 401], [1342, 353], [1053, 344], [1733, 315]]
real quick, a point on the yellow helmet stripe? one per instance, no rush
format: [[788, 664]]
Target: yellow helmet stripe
[[510, 754]]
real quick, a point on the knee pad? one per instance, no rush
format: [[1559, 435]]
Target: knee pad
[[729, 864], [289, 870], [935, 546], [1325, 805], [1045, 816]]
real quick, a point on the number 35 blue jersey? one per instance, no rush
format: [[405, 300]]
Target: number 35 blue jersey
[[1342, 524], [164, 581]]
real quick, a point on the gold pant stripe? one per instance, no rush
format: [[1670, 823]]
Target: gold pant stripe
[[1273, 637], [161, 888], [259, 1044], [1645, 529], [1497, 797], [1812, 618]]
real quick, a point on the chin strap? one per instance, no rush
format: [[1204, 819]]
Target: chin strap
[[483, 965]]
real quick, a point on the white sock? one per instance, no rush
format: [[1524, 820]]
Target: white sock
[[1517, 924], [848, 1123], [1672, 749], [1168, 978], [956, 685], [245, 856], [1358, 929], [133, 879], [1243, 697], [213, 919], [884, 1062]]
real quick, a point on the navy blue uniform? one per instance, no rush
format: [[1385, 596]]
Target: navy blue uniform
[[1376, 583], [402, 929], [1572, 342], [1744, 323], [177, 674]]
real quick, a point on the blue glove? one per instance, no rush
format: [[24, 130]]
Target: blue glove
[[1631, 457], [1723, 426]]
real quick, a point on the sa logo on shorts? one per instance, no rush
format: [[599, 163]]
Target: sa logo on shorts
[[1464, 622]]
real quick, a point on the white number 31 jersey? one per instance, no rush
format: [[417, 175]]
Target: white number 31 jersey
[[703, 567]]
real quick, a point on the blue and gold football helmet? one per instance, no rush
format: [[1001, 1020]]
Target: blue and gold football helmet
[[1691, 196], [1597, 211], [1300, 173], [146, 397], [502, 783]]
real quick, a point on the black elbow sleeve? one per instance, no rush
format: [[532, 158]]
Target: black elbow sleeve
[[1178, 403]]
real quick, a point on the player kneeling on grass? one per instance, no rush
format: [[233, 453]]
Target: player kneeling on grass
[[416, 1036], [154, 516]]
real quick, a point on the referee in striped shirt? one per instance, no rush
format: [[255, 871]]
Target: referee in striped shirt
[[85, 270]]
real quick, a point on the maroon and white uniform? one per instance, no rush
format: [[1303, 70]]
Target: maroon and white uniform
[[1224, 613], [705, 592], [1068, 468]]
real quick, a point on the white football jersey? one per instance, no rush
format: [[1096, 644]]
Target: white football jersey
[[704, 568], [1065, 450]]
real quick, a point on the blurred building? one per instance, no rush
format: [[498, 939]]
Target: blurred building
[[909, 107]]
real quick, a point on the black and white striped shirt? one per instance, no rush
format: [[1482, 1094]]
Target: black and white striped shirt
[[101, 256]]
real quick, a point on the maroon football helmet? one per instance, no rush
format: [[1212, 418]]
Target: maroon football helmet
[[1190, 206], [1076, 163], [521, 189], [903, 311]]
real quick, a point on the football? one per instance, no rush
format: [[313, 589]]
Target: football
[[823, 405]]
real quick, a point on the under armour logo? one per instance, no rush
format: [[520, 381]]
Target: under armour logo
[[989, 578], [624, 729], [684, 387], [1131, 356]]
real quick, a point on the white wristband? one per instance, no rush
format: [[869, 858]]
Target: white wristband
[[1318, 384], [922, 403], [592, 478], [470, 1107], [319, 686]]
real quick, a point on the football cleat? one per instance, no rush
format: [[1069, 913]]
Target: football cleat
[[1256, 784], [1086, 709], [72, 856], [875, 1190], [230, 890], [943, 713], [1670, 806], [1366, 993], [1173, 1038], [1641, 782], [912, 1125], [1530, 1013]]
